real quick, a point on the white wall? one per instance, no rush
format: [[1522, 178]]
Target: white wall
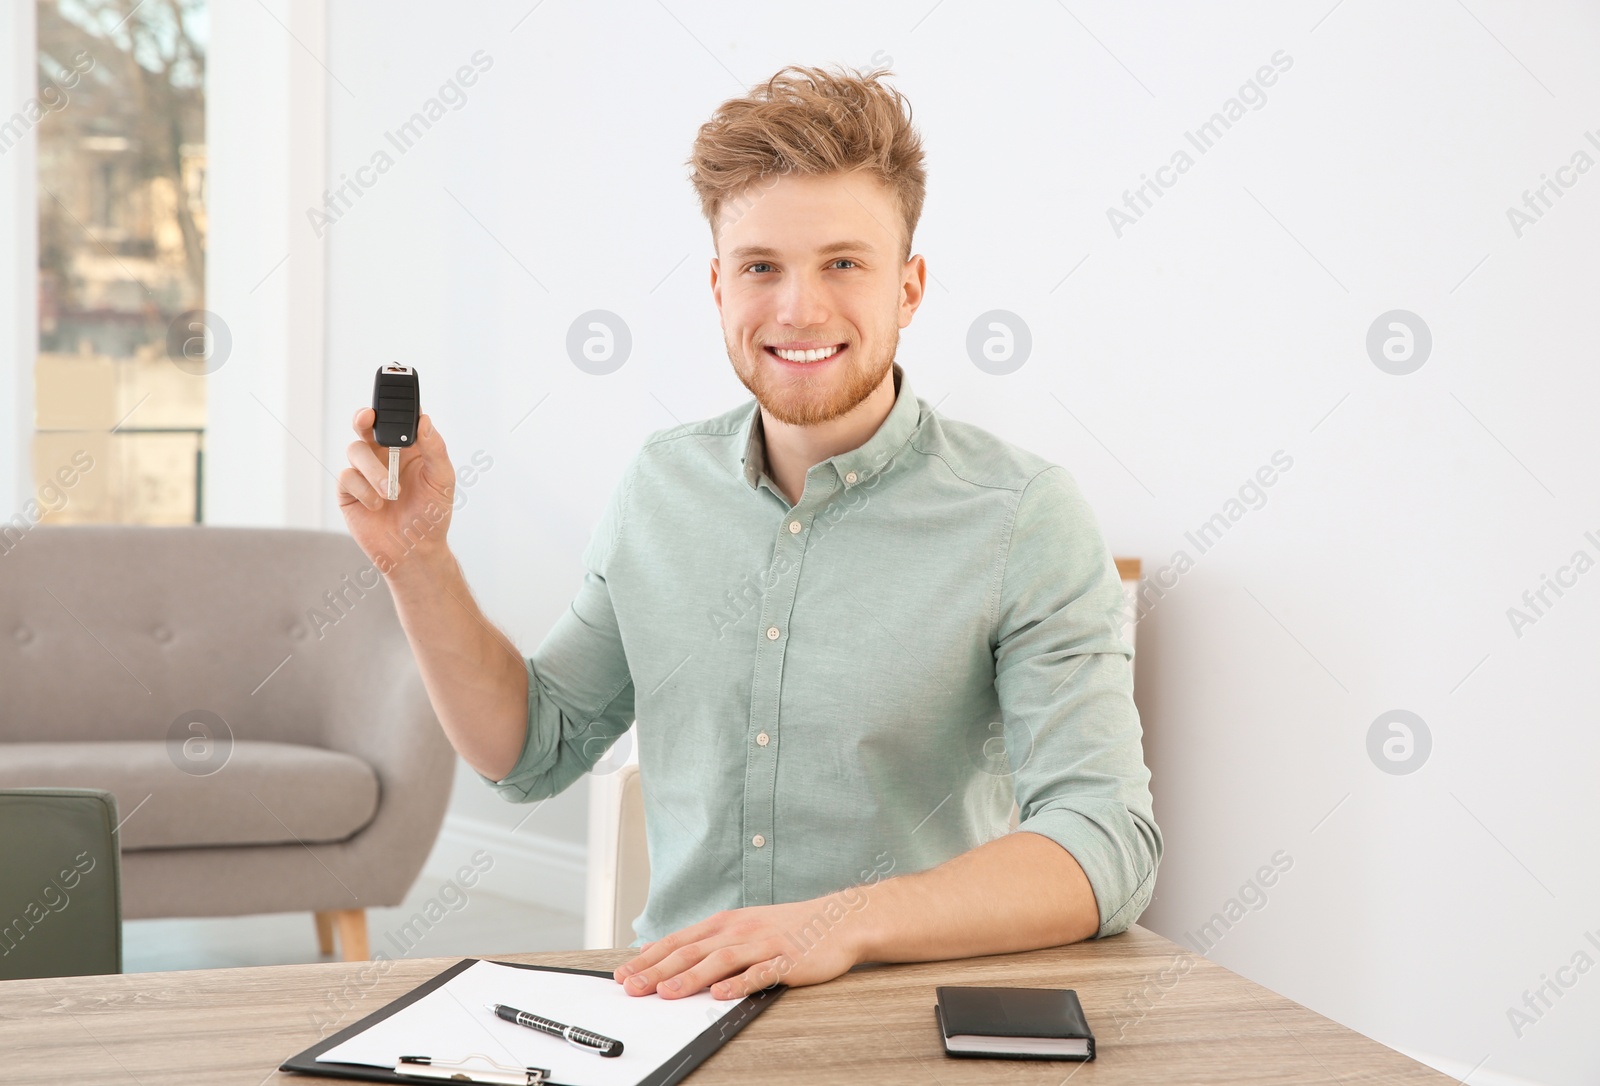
[[1229, 322]]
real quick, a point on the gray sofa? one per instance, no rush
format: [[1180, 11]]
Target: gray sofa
[[250, 699]]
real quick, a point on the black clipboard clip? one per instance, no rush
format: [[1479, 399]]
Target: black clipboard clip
[[474, 1068]]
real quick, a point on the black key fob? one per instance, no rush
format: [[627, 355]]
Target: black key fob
[[396, 405], [396, 401]]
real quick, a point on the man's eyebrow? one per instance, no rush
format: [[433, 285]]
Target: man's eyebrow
[[747, 251]]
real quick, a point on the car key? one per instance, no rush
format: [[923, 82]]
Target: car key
[[395, 405]]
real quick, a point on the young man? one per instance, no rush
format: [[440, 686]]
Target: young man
[[850, 630]]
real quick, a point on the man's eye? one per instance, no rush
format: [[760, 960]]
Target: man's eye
[[763, 264]]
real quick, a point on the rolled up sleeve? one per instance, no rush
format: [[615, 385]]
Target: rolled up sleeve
[[580, 691], [1063, 676]]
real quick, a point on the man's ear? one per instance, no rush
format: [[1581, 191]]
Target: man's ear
[[716, 283], [913, 287]]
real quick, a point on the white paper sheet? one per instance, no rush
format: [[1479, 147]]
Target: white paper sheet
[[451, 1022]]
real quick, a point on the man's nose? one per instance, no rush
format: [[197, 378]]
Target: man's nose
[[802, 302]]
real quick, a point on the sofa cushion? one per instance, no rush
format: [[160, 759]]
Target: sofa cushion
[[265, 793]]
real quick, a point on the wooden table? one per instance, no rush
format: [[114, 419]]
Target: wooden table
[[1160, 1014]]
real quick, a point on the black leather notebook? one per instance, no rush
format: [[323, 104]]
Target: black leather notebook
[[1013, 1023]]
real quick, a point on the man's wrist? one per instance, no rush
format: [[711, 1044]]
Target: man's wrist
[[431, 566], [868, 904]]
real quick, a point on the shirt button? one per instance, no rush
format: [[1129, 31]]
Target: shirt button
[[763, 739], [772, 633], [850, 477], [758, 840], [794, 527]]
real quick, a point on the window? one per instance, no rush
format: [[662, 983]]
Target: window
[[119, 382]]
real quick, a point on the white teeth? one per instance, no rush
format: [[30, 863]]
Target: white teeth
[[805, 356]]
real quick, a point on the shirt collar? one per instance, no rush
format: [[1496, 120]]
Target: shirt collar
[[857, 465]]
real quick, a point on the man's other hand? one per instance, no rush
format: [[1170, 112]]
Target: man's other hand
[[740, 951]]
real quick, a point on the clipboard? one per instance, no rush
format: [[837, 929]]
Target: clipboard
[[671, 1071]]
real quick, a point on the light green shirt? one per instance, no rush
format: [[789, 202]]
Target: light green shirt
[[855, 686]]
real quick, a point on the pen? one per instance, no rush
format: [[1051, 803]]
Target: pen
[[474, 1068], [589, 1041]]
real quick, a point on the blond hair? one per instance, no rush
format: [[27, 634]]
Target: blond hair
[[812, 122]]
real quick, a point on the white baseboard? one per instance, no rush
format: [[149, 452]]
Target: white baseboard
[[528, 867], [1460, 1070]]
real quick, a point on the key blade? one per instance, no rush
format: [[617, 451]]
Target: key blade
[[394, 472]]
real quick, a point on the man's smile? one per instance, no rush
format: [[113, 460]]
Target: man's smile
[[807, 359]]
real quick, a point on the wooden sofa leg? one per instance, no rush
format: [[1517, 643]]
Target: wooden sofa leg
[[324, 932], [352, 925]]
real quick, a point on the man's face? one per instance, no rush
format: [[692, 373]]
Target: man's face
[[813, 262]]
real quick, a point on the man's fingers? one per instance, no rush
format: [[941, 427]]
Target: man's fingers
[[435, 458], [653, 953], [678, 962], [364, 459], [718, 965], [362, 423], [372, 459], [365, 462], [761, 975], [353, 487]]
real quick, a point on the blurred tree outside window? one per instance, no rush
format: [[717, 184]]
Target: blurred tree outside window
[[122, 243]]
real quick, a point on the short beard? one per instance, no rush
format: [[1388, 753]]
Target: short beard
[[810, 410]]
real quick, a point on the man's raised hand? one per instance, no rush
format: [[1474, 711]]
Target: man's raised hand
[[416, 522]]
